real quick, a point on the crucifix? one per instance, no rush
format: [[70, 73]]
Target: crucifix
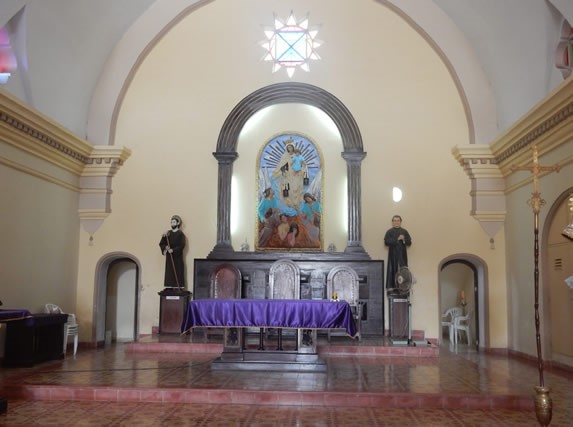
[[543, 402]]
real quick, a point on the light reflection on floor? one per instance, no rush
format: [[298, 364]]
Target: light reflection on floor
[[455, 372]]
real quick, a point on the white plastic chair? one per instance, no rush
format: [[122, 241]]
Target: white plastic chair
[[448, 319], [462, 323], [71, 328]]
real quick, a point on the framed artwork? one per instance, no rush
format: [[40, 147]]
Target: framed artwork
[[289, 199]]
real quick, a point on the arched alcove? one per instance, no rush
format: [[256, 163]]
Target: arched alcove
[[281, 93]]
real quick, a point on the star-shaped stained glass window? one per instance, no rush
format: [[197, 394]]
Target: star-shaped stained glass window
[[291, 44]]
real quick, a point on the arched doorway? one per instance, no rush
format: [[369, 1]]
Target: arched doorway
[[464, 277], [121, 301], [117, 294], [557, 296]]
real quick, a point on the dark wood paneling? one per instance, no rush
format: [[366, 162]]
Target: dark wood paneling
[[172, 310], [314, 268], [36, 339], [399, 316]]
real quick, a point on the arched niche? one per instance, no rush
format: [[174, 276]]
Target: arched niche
[[281, 93]]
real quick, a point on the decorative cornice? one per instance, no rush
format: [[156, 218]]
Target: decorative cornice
[[33, 133], [532, 136], [105, 161], [477, 161], [92, 166], [36, 134], [548, 125]]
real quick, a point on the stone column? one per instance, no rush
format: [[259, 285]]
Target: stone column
[[354, 167], [225, 160]]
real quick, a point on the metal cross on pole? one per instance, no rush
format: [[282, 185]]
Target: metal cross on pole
[[543, 402]]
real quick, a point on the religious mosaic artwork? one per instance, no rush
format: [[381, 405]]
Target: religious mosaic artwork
[[289, 212]]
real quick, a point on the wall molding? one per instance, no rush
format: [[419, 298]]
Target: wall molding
[[548, 125], [91, 167]]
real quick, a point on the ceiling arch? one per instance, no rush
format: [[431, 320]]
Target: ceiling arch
[[429, 21]]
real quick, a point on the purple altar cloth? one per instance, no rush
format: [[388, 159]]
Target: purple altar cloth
[[269, 313], [8, 315]]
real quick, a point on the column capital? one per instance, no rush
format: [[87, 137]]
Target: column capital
[[353, 156], [226, 157]]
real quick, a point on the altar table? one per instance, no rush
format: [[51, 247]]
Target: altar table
[[306, 316], [270, 313]]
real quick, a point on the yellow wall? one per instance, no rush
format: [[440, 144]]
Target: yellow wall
[[410, 116], [39, 226], [398, 90]]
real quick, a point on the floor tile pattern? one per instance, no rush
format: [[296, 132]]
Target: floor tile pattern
[[66, 413], [117, 386]]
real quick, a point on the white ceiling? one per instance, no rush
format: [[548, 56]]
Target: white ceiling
[[69, 42]]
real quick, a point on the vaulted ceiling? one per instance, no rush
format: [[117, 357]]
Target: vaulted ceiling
[[68, 44]]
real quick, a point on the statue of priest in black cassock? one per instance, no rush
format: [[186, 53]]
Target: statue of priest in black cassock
[[397, 239]]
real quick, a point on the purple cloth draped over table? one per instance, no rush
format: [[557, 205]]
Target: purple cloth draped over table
[[7, 315], [306, 314]]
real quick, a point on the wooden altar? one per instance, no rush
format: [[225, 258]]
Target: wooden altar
[[304, 317], [314, 268]]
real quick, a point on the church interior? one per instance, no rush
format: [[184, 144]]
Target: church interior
[[456, 115]]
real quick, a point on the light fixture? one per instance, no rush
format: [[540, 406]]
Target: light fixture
[[396, 194]]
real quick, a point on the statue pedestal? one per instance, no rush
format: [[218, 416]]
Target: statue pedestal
[[399, 317], [172, 309]]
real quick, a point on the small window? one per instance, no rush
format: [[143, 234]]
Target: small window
[[291, 44], [7, 57], [564, 51]]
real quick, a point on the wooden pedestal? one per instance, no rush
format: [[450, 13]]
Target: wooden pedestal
[[399, 316], [172, 310]]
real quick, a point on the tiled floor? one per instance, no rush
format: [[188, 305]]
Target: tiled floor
[[162, 381]]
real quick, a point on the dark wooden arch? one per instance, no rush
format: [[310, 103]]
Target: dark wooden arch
[[282, 93]]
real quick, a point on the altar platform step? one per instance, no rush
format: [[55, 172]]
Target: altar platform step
[[340, 399], [161, 370], [338, 346]]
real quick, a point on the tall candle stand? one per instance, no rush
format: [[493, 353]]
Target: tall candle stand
[[543, 401]]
